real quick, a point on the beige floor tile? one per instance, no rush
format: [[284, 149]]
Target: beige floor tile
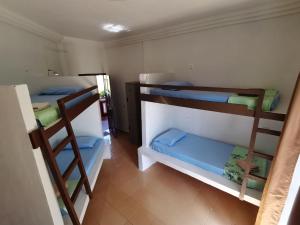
[[144, 217], [107, 215]]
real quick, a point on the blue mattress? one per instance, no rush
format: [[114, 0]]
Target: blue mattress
[[46, 98], [194, 95], [53, 98], [88, 156], [205, 153]]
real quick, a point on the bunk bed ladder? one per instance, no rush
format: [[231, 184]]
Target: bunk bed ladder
[[251, 151], [60, 179]]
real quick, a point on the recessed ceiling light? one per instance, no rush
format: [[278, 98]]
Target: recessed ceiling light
[[115, 28]]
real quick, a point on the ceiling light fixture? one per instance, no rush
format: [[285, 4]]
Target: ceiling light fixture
[[115, 28]]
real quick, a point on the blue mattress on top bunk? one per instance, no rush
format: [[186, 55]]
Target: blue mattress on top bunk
[[53, 98], [46, 98], [205, 153], [88, 156], [194, 95]]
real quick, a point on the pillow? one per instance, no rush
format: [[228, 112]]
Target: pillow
[[84, 142], [60, 90], [177, 83], [170, 137]]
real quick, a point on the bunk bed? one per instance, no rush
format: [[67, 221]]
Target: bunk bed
[[196, 156], [73, 165]]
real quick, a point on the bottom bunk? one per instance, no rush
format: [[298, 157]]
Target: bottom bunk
[[212, 162], [93, 151]]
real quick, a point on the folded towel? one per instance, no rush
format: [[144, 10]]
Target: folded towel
[[37, 106], [234, 172], [47, 116], [271, 92], [270, 102]]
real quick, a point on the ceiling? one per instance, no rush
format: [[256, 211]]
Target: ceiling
[[84, 18]]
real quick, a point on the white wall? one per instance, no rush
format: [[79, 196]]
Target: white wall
[[27, 196], [81, 56], [23, 53], [258, 54], [123, 65], [26, 57]]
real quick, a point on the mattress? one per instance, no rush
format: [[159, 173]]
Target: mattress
[[52, 99], [214, 156], [88, 156], [46, 98], [205, 153], [194, 95]]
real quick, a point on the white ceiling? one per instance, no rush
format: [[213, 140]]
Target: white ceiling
[[84, 18]]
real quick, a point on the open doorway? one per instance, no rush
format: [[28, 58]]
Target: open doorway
[[106, 107]]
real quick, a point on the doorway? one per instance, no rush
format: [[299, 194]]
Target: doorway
[[106, 106]]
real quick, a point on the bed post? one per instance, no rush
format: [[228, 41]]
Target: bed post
[[144, 161], [252, 144]]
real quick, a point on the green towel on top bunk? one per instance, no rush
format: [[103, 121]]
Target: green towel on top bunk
[[48, 115], [71, 188], [271, 95], [234, 172]]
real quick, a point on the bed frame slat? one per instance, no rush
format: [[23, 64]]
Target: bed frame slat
[[70, 169], [77, 189], [61, 145]]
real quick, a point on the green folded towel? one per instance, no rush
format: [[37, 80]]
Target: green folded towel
[[271, 92], [234, 172], [251, 102], [48, 115]]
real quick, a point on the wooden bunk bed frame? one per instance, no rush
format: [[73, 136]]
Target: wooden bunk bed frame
[[40, 138], [236, 109]]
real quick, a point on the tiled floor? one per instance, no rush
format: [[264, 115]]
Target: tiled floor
[[160, 196]]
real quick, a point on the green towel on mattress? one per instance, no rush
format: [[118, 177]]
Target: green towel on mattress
[[71, 187], [235, 173], [48, 115], [270, 95]]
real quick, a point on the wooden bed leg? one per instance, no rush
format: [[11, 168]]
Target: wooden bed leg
[[144, 161]]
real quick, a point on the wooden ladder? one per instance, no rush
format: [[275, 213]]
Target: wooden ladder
[[60, 179], [251, 151]]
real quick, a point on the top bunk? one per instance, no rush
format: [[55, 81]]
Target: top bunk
[[252, 102], [57, 105]]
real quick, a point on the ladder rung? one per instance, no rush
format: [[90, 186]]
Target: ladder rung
[[256, 177], [70, 168], [264, 155], [268, 131], [61, 145], [77, 189]]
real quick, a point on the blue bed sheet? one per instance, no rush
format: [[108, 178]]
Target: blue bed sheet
[[194, 95], [88, 156], [46, 98], [205, 153], [52, 99]]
